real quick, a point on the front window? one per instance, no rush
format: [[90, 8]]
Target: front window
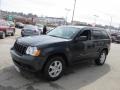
[[64, 32], [86, 33]]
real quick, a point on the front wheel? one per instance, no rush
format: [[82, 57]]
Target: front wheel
[[54, 68], [102, 58]]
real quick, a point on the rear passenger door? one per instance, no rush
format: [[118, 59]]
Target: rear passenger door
[[100, 40]]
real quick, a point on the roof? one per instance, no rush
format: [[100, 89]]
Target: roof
[[82, 27]]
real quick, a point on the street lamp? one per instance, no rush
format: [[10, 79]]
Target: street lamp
[[67, 11], [73, 12], [95, 18], [0, 9], [110, 23], [111, 20]]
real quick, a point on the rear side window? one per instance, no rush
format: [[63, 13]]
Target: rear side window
[[100, 34], [97, 34]]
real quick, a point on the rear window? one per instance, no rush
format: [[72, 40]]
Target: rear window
[[100, 34], [30, 27]]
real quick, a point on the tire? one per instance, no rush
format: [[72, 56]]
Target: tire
[[3, 35], [102, 58], [54, 68], [12, 34]]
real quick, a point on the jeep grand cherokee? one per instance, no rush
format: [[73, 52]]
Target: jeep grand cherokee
[[61, 47]]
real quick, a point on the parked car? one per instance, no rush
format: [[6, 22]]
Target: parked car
[[6, 29], [60, 48], [115, 37], [30, 30], [40, 27], [50, 28], [19, 25]]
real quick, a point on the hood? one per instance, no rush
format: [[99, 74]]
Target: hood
[[40, 40]]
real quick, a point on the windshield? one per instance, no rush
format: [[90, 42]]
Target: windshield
[[11, 23], [3, 23], [30, 27], [64, 32]]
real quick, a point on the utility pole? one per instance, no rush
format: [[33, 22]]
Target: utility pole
[[67, 11], [73, 12], [111, 20], [110, 23]]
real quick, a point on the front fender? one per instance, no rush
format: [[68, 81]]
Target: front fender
[[57, 50]]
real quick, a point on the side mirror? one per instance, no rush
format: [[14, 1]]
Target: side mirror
[[82, 38]]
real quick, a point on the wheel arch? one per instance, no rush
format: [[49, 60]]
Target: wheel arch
[[57, 54], [106, 49]]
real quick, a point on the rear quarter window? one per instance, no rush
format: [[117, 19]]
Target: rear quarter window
[[104, 34]]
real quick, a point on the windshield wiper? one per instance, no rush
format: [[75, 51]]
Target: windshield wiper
[[53, 35]]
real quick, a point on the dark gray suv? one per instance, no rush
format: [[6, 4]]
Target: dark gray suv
[[60, 48]]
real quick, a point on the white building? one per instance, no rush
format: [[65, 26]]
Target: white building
[[52, 20]]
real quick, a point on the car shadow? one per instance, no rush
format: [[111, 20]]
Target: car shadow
[[75, 77]]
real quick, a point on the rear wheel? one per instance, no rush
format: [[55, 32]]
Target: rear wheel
[[3, 35], [54, 68], [13, 33], [102, 58]]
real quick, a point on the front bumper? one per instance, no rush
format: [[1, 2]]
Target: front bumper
[[27, 62]]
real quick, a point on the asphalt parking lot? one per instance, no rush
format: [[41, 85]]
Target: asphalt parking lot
[[85, 76]]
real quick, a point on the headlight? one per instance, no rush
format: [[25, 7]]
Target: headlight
[[33, 51]]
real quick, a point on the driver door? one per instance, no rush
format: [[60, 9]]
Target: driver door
[[83, 50]]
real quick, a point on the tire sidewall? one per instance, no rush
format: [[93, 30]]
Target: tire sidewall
[[12, 34], [3, 35], [98, 61], [50, 61]]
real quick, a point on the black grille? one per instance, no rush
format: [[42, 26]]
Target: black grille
[[21, 49]]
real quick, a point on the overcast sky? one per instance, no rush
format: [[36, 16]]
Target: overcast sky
[[85, 9]]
